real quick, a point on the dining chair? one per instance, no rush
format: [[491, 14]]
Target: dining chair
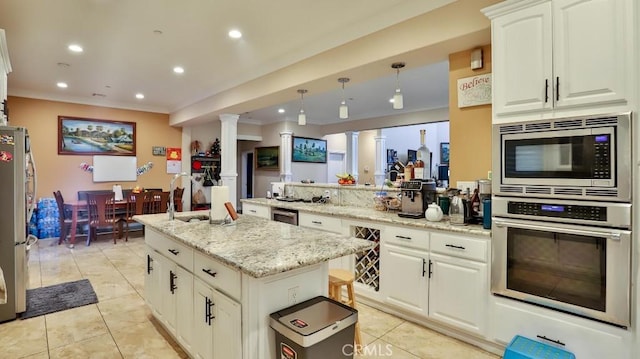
[[159, 201], [137, 203], [102, 214], [177, 198], [65, 217]]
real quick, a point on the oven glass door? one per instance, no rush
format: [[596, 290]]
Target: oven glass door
[[582, 270], [576, 156]]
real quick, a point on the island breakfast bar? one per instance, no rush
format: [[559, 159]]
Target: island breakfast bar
[[213, 286]]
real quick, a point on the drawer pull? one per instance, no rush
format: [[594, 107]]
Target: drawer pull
[[551, 340], [404, 237], [209, 272], [175, 252], [253, 211], [453, 246], [316, 222]]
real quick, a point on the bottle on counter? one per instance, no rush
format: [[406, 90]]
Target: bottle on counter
[[423, 159], [475, 203], [408, 171]]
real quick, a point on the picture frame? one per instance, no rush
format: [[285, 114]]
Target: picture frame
[[305, 149], [158, 150], [267, 158], [88, 136], [444, 153]]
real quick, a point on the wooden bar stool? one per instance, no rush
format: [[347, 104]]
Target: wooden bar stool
[[337, 279]]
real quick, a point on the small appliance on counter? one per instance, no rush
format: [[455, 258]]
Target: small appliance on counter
[[416, 197]]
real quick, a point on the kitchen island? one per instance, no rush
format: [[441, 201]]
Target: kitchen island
[[213, 286]]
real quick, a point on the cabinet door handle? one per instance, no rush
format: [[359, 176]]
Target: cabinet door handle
[[430, 267], [424, 263], [404, 237], [550, 340], [209, 272], [316, 222], [172, 282], [453, 246], [149, 263], [175, 252], [557, 88], [546, 90], [208, 314]]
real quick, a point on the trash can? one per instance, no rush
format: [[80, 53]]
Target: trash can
[[318, 328]]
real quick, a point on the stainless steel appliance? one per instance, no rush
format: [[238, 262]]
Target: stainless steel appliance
[[285, 215], [17, 188], [572, 256], [585, 158], [416, 197]]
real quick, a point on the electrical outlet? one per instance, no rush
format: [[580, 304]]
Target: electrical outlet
[[327, 194], [293, 295]]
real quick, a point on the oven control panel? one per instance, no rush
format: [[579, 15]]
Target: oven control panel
[[602, 158], [569, 211]]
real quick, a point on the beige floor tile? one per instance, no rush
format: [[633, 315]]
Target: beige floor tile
[[74, 325], [382, 349], [51, 277], [35, 279], [143, 341], [135, 277], [428, 344], [100, 347], [124, 311], [42, 355], [374, 322], [110, 284], [21, 338]]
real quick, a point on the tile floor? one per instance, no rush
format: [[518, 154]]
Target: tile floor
[[120, 325]]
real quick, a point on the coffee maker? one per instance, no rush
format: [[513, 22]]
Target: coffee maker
[[416, 197]]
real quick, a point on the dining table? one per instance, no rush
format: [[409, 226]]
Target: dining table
[[76, 206]]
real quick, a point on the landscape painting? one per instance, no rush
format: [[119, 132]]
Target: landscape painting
[[84, 136], [267, 158], [309, 150]]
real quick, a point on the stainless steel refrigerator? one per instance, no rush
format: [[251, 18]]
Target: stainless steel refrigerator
[[17, 195]]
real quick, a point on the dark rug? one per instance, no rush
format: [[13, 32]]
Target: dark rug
[[58, 297]]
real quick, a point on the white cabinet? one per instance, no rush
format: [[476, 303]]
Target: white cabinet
[[560, 57], [5, 68], [404, 279], [317, 221], [256, 210], [217, 325]]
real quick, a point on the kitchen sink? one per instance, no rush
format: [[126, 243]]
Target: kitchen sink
[[197, 218]]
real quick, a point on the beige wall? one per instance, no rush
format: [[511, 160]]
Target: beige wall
[[470, 127], [366, 156], [62, 172]]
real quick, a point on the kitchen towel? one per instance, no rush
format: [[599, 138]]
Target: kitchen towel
[[219, 196]]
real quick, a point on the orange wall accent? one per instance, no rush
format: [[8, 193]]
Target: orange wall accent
[[62, 172], [469, 127]]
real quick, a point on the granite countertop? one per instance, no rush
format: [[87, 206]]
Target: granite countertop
[[370, 214], [256, 246]]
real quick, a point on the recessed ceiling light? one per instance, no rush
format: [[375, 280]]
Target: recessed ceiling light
[[178, 70], [75, 48], [139, 96], [281, 110], [235, 34], [62, 85]]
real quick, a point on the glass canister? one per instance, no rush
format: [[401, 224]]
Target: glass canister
[[456, 211]]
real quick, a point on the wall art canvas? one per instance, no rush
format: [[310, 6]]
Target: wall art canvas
[[85, 136]]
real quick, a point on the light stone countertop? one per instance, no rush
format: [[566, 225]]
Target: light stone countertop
[[370, 214], [256, 246]]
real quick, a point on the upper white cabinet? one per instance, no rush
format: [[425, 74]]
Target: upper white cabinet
[[561, 57], [5, 68]]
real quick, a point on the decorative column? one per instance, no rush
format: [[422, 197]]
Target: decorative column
[[229, 154], [381, 158], [285, 156], [352, 153]]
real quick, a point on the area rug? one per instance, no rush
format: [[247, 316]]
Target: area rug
[[58, 297]]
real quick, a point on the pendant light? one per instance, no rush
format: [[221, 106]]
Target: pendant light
[[302, 118], [343, 110], [397, 96]]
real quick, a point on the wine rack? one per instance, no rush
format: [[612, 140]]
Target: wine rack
[[367, 269]]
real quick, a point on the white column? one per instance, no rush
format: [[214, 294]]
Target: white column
[[229, 154], [381, 158], [285, 156], [352, 153]]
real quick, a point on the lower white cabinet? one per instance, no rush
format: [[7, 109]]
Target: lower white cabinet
[[404, 281], [256, 210], [217, 328], [458, 292]]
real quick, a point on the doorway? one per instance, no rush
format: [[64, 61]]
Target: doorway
[[247, 174], [335, 164]]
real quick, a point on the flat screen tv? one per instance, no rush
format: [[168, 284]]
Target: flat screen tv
[[307, 149]]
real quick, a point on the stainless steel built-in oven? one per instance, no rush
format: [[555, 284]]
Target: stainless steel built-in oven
[[573, 256], [587, 158]]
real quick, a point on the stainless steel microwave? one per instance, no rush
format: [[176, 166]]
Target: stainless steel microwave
[[574, 158]]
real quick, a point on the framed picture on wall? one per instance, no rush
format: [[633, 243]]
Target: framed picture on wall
[[86, 136], [267, 158], [309, 150], [444, 153]]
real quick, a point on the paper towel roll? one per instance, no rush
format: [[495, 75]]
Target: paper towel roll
[[219, 196]]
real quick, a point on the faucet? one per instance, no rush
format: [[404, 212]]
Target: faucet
[[171, 192]]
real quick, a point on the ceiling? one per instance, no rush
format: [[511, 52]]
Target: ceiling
[[131, 46]]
